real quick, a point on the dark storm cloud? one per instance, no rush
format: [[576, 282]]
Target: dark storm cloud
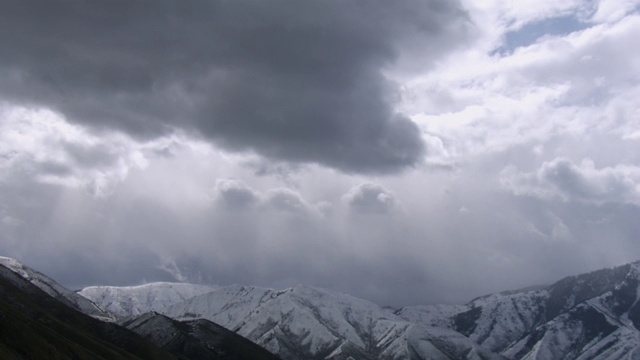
[[291, 80]]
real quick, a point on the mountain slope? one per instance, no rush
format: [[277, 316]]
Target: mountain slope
[[197, 339], [129, 301], [57, 291], [35, 325]]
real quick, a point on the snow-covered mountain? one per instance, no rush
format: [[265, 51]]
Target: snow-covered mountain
[[494, 321], [126, 301], [57, 291], [310, 323], [589, 316]]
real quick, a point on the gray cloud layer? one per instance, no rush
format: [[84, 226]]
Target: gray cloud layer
[[563, 179], [295, 81]]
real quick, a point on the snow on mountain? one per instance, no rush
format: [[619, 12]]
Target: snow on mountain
[[589, 316], [129, 301], [56, 290], [497, 320], [311, 323], [582, 333], [432, 315], [606, 326], [320, 320], [494, 321]]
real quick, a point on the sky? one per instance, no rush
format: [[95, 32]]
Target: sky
[[406, 152]]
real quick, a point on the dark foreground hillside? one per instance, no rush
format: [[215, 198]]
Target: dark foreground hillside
[[33, 325]]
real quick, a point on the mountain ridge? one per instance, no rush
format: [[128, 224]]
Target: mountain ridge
[[590, 316]]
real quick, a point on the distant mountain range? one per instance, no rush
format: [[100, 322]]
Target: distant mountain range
[[589, 316]]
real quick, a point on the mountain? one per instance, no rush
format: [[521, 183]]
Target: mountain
[[493, 321], [57, 291], [583, 317], [136, 300], [310, 323], [37, 325], [589, 316], [196, 339]]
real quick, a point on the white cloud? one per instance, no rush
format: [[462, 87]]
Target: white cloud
[[614, 10], [42, 144], [570, 87]]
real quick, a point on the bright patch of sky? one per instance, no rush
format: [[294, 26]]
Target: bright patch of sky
[[532, 32]]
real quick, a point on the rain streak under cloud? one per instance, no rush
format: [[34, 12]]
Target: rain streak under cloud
[[407, 152]]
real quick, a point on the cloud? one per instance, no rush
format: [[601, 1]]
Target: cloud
[[560, 87], [235, 194], [286, 200], [370, 199], [614, 10], [563, 179], [42, 144], [290, 81]]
